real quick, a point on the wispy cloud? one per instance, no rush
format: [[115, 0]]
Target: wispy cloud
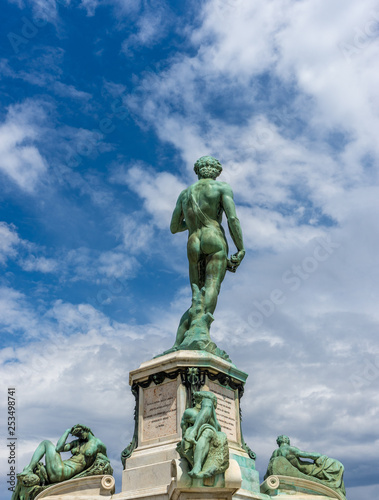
[[44, 69], [158, 191], [152, 24], [9, 240], [21, 160], [41, 264], [120, 7]]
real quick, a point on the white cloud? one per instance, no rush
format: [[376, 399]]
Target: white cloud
[[158, 191], [12, 246], [136, 235], [9, 240], [74, 371], [20, 159], [65, 90], [41, 264], [98, 267], [16, 314], [246, 43], [344, 91], [44, 69], [114, 89], [151, 27], [296, 42], [121, 7], [117, 264], [47, 9]]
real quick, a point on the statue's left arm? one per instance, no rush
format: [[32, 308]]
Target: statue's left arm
[[234, 227], [178, 224]]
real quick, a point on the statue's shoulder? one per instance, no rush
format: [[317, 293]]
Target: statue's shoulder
[[190, 413], [100, 445], [182, 195], [225, 188]]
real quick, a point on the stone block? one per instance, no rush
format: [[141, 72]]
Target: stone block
[[94, 487], [299, 489]]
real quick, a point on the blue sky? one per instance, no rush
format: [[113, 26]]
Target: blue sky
[[105, 107]]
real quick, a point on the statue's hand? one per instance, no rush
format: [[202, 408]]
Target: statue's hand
[[190, 436], [235, 260]]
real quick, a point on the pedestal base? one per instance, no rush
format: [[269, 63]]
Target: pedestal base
[[280, 487], [84, 488], [219, 487], [163, 388]]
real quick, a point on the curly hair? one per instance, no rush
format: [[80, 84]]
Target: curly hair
[[81, 427], [282, 439], [213, 167]]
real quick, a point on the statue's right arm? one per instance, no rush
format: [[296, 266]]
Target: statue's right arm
[[61, 445], [231, 216], [234, 226], [304, 454], [178, 224]]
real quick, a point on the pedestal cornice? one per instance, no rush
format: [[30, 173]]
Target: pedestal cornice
[[186, 359]]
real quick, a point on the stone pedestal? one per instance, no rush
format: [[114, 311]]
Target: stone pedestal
[[280, 487], [220, 487], [84, 488], [163, 388]]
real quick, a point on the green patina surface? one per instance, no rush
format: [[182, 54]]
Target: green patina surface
[[89, 458], [287, 461], [250, 476], [199, 210], [203, 444]]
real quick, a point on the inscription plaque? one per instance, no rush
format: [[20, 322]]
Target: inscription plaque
[[159, 411], [226, 409]]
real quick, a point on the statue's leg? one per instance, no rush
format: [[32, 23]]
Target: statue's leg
[[193, 251], [201, 453], [214, 245], [54, 465], [215, 274], [53, 461], [182, 328], [194, 255]]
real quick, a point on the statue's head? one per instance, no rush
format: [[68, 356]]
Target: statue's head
[[282, 440], [81, 431], [200, 395], [207, 167]]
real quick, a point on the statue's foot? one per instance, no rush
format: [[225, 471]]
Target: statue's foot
[[195, 472], [173, 349], [28, 478]]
